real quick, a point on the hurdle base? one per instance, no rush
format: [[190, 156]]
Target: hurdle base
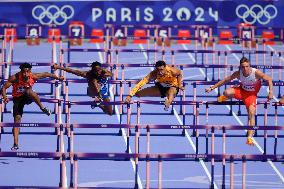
[[120, 132], [167, 42], [239, 113], [183, 132], [119, 42], [76, 42], [33, 41], [249, 44], [207, 43], [194, 133]]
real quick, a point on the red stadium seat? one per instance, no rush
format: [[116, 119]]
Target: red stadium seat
[[268, 35], [140, 33], [9, 33], [97, 33], [54, 33], [185, 34], [226, 37]]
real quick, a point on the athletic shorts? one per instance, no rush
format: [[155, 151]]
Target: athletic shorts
[[19, 103], [164, 90], [93, 92], [248, 97]]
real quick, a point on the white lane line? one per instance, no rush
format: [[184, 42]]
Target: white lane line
[[187, 136], [194, 149], [123, 130]]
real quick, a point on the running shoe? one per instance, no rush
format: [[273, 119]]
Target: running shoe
[[250, 141], [167, 105], [15, 147], [222, 98], [46, 111], [95, 104]]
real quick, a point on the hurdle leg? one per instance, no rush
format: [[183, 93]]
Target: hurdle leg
[[147, 172], [148, 139], [128, 129], [57, 131], [136, 173], [71, 171], [213, 159], [276, 132], [75, 178], [197, 131], [224, 160], [160, 173], [63, 178], [244, 172], [207, 130], [231, 172], [265, 131]]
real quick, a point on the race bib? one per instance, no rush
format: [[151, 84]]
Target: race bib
[[21, 89]]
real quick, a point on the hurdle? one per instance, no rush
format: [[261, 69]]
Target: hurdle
[[10, 37], [51, 155], [57, 111], [44, 64], [180, 157], [121, 84], [60, 139], [120, 35], [68, 114], [197, 83], [54, 94], [196, 118]]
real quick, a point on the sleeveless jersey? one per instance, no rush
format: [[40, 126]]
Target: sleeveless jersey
[[20, 85], [167, 79], [250, 83], [102, 81]]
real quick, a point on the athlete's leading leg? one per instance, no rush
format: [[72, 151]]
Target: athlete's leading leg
[[106, 108], [34, 96], [171, 93], [227, 94], [149, 91], [251, 117], [16, 131]]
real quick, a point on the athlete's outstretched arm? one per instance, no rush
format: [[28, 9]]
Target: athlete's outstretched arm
[[6, 85], [138, 86], [224, 81], [260, 75], [45, 75], [69, 70]]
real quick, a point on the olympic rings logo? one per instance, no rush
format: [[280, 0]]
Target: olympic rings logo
[[53, 14], [256, 13]]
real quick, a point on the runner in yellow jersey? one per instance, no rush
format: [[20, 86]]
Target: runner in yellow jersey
[[168, 81]]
